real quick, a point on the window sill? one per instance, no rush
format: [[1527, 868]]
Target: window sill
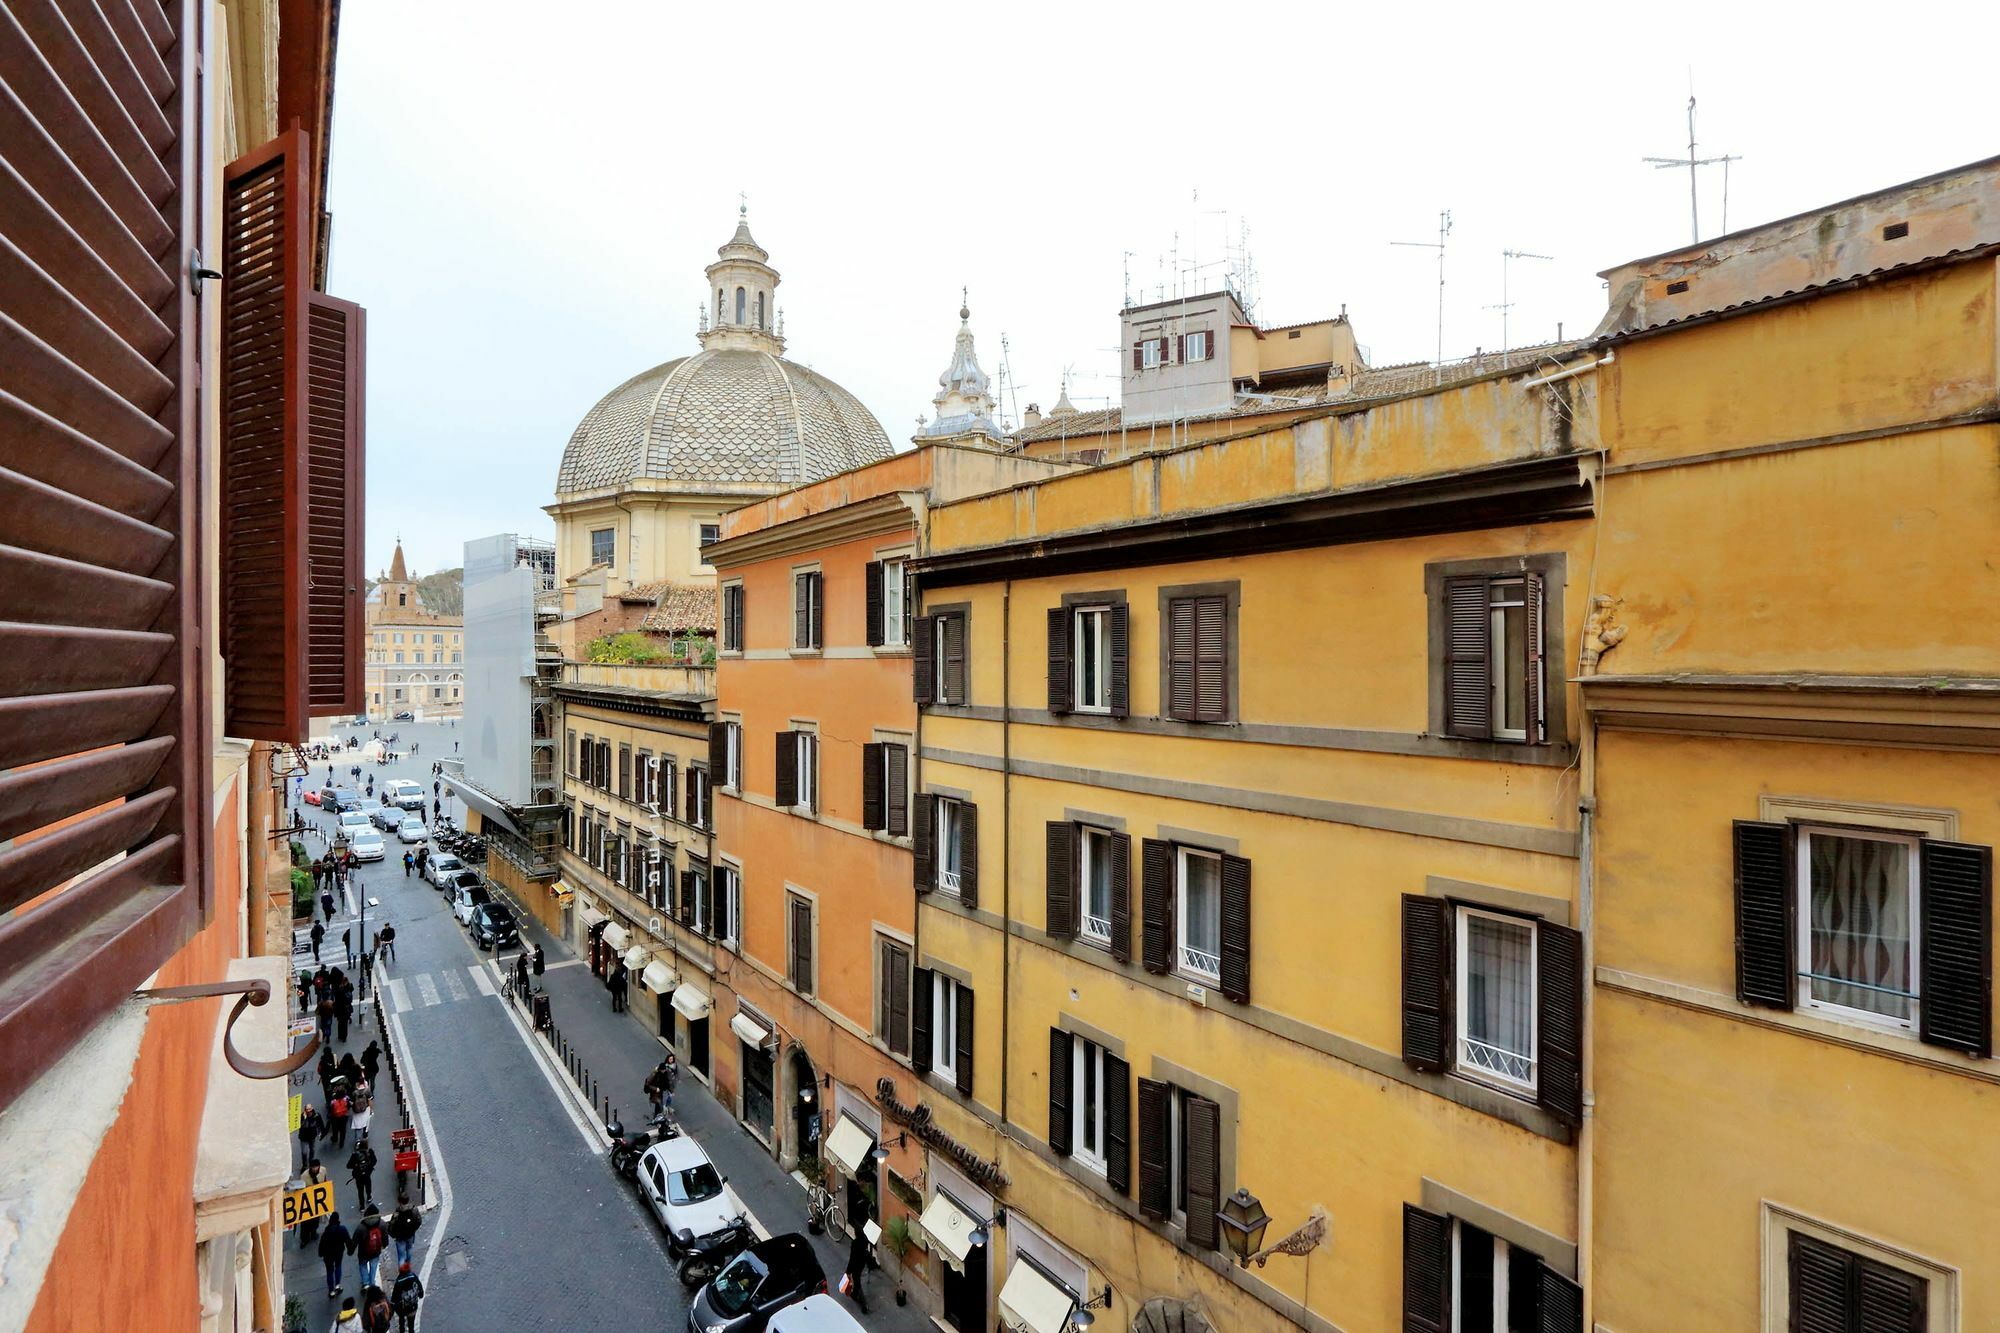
[[1517, 1091], [804, 652], [890, 649]]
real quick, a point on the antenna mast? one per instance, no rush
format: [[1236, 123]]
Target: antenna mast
[[1506, 303], [1693, 162], [1444, 230]]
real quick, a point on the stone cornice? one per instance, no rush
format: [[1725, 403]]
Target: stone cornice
[[877, 516], [1932, 712]]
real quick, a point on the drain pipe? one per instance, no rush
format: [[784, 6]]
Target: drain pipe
[[1006, 842], [1586, 1137]]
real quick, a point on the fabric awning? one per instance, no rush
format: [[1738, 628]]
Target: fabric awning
[[849, 1143], [615, 936], [1032, 1303], [658, 977], [635, 958], [558, 889], [950, 1229], [691, 1003], [591, 916], [752, 1032]]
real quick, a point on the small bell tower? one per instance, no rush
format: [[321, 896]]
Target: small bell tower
[[742, 311]]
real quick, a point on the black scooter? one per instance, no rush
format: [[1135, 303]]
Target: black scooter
[[626, 1149], [712, 1252]]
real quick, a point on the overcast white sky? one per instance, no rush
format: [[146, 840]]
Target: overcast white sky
[[525, 194]]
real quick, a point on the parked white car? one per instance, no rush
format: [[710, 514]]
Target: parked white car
[[412, 830], [354, 821], [465, 898], [817, 1313], [685, 1191], [442, 868], [367, 844], [403, 794]]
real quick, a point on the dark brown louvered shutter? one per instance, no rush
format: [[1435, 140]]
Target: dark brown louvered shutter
[[1211, 659], [1156, 906], [1427, 977], [1236, 929], [1059, 1091], [801, 611], [874, 603], [954, 660], [1062, 664], [1533, 666], [898, 813], [1524, 1289], [718, 903], [1955, 958], [1468, 671], [802, 950], [1138, 356], [625, 772], [335, 485], [1561, 1304], [1121, 896], [100, 565], [899, 1000], [1202, 1124], [736, 616], [266, 244], [873, 814], [920, 1020], [1889, 1299], [1154, 1132], [1117, 1123], [818, 610], [718, 748], [1559, 1022], [962, 1048], [1180, 347], [1821, 1281], [1177, 693], [787, 785], [923, 661], [1765, 914], [923, 844], [1059, 842], [1120, 633], [689, 886], [696, 806], [968, 854], [1426, 1271]]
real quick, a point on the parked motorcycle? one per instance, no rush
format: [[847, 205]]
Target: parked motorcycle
[[712, 1252], [626, 1149]]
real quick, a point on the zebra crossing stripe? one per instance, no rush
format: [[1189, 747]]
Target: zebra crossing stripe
[[428, 989], [455, 983], [399, 995], [482, 979]]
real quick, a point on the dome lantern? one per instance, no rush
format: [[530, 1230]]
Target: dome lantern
[[742, 315]]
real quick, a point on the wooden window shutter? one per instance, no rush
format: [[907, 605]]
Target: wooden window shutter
[[1178, 690], [689, 885], [1202, 1123], [719, 880], [1180, 347], [1117, 1123], [1121, 896], [1889, 1299], [1156, 906], [1120, 634], [874, 581], [1138, 356], [801, 612], [1154, 1133], [1062, 661], [1211, 659], [923, 663], [1468, 672], [718, 748], [696, 806], [923, 840], [968, 854], [102, 709], [266, 244], [787, 787], [1820, 1277], [625, 771], [1765, 914], [818, 609], [1559, 1022], [665, 790], [1426, 1271], [873, 815], [1955, 944], [1534, 667], [899, 1000], [1236, 929], [1561, 1303], [898, 813], [1524, 1289], [1060, 843], [962, 1039], [954, 659], [920, 1020], [1059, 1091], [335, 486], [1428, 968], [802, 946]]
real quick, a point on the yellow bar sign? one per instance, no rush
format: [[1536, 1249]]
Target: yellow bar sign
[[297, 1110], [303, 1205]]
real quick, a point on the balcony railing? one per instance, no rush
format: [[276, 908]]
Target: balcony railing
[[1097, 927], [1496, 1060], [1199, 961], [947, 880]]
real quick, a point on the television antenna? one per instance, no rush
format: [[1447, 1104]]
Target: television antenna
[[1694, 162], [1444, 230], [1507, 257]]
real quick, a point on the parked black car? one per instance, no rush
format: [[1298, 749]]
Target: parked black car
[[756, 1284], [493, 926], [335, 799]]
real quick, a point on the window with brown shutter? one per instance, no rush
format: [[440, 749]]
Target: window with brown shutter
[[1060, 846], [718, 748], [569, 751], [1468, 662], [923, 979], [1559, 1022], [787, 785], [625, 772], [1121, 896], [968, 854], [1203, 1127], [801, 971], [335, 487], [962, 1044], [1427, 978], [873, 580], [953, 666], [1764, 923], [1062, 665], [1236, 929], [923, 843], [1118, 1124], [1155, 1133], [874, 815], [897, 815], [1495, 629], [923, 659], [1156, 899], [1426, 1271], [808, 610], [732, 617], [893, 1009], [1834, 1290], [1197, 683], [1060, 1092], [1955, 942]]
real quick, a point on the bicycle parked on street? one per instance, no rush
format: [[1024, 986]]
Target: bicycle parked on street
[[823, 1212]]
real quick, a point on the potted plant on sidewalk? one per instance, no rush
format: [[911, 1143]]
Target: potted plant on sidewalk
[[901, 1241]]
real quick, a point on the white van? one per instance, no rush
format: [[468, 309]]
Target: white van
[[403, 794], [818, 1313]]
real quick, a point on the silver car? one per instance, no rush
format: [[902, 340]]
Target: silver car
[[411, 830], [442, 869]]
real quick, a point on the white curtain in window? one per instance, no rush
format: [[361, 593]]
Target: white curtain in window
[[1860, 915], [1499, 996]]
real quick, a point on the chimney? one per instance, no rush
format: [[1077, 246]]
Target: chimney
[[1032, 417]]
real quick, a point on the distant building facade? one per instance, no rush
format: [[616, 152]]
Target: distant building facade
[[415, 656]]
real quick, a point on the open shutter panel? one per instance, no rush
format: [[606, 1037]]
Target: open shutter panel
[[1427, 972], [1156, 900], [954, 660], [1121, 659], [1180, 347], [801, 611], [1178, 690], [923, 663], [1426, 1271], [1117, 1123], [1211, 659], [266, 240], [1062, 667], [1236, 929], [874, 602], [899, 1001], [1154, 1132], [1058, 844], [873, 814], [696, 805], [1559, 1022], [923, 842], [1059, 1091], [1765, 914], [920, 1020], [787, 785], [968, 854], [962, 1065], [718, 748], [1138, 356], [335, 420], [1821, 1278], [1534, 666], [898, 812], [1956, 947], [1561, 1304], [1891, 1301], [1203, 1127], [818, 582], [802, 945], [1121, 896], [690, 885], [1468, 672]]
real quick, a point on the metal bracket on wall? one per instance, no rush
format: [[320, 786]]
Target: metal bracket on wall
[[256, 992]]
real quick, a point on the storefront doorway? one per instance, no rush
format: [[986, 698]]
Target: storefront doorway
[[759, 1100], [965, 1292], [697, 1054], [805, 1107]]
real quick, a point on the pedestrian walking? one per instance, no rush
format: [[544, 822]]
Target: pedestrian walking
[[404, 1224], [363, 1103], [409, 863], [349, 1318], [385, 942], [305, 991], [361, 1170], [376, 1316], [437, 811], [371, 1060], [311, 1126], [318, 934], [406, 1296], [309, 1229], [326, 906], [325, 1018], [337, 1109], [857, 1261], [343, 1006], [369, 1242], [350, 1069], [659, 1085], [334, 1244], [347, 943], [327, 1070], [619, 982]]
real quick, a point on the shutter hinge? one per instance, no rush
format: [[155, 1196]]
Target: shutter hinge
[[256, 991], [196, 272]]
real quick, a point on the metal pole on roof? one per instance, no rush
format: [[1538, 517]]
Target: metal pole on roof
[[1444, 230]]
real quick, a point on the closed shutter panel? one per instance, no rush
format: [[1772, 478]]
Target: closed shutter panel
[[898, 813], [920, 1020], [1060, 842], [1121, 896], [1534, 666], [336, 448], [801, 611], [1821, 1281], [719, 925], [1117, 1123], [1138, 356], [689, 887], [1890, 1300], [787, 786], [1559, 1022], [265, 250], [1062, 668], [873, 815], [802, 951], [924, 842], [718, 747], [1202, 1123], [1956, 947], [1765, 914], [625, 772], [1236, 929], [1427, 975], [1561, 1302], [962, 1053], [954, 660], [874, 603], [97, 346], [1180, 347], [968, 854], [1524, 1289], [1121, 660], [1059, 1091], [696, 809], [818, 590], [1177, 691], [899, 1001], [1426, 1271], [1154, 1132], [923, 662], [1211, 659], [1468, 671], [1156, 906]]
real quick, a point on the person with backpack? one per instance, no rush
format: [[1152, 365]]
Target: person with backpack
[[311, 1126], [361, 1170], [409, 864], [334, 1244], [318, 934], [371, 1060], [324, 1016], [336, 1119], [361, 1110], [309, 1229], [376, 1315], [405, 1296], [404, 1224], [369, 1242], [348, 1320]]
